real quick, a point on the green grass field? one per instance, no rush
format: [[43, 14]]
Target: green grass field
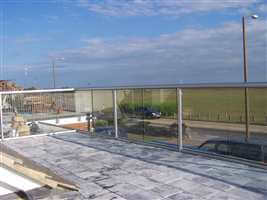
[[225, 104]]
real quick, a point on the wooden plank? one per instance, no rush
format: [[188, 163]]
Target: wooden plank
[[38, 173]]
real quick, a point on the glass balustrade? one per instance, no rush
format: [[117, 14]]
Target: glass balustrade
[[213, 118]]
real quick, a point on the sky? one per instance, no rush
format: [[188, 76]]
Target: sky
[[130, 42]]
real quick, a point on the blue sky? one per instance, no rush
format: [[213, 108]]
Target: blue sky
[[130, 42]]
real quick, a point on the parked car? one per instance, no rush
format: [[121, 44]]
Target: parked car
[[148, 112], [250, 151]]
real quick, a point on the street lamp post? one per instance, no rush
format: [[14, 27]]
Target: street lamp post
[[246, 73], [53, 68]]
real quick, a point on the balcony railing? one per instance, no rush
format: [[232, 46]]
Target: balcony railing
[[202, 117], [26, 113]]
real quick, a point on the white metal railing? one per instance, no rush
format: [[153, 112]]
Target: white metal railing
[[37, 91], [30, 102]]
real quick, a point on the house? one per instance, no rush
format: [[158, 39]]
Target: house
[[6, 85]]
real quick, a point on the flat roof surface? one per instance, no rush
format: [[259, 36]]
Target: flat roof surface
[[106, 169]]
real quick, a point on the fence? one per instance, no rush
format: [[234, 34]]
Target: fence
[[206, 117]]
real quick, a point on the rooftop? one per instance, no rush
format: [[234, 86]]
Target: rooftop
[[105, 168]]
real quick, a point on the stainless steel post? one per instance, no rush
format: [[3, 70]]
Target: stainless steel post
[[115, 113], [143, 114], [92, 101], [180, 118]]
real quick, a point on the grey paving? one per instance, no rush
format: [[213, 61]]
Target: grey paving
[[106, 169]]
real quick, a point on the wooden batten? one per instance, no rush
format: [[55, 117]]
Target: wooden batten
[[40, 174]]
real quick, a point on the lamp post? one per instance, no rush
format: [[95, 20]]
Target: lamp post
[[53, 68], [246, 72]]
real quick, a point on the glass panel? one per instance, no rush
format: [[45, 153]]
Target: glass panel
[[212, 114], [160, 116], [80, 109], [258, 122], [258, 106], [216, 117], [130, 121], [103, 111]]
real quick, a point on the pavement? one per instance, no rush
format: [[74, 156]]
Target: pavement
[[109, 169]]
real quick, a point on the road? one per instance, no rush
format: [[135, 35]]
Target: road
[[212, 125]]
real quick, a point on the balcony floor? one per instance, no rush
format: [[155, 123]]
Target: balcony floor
[[106, 169]]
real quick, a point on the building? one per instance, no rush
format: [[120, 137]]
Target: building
[[6, 85]]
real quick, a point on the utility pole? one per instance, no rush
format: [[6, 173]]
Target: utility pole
[[246, 74], [53, 68]]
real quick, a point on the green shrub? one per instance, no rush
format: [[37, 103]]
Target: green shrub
[[101, 122], [167, 108], [110, 122]]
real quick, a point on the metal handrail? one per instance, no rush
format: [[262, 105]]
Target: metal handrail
[[156, 86], [37, 91], [181, 86]]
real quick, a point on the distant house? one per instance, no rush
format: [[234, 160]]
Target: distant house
[[6, 85]]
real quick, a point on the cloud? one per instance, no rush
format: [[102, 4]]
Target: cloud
[[160, 7], [213, 54], [262, 8]]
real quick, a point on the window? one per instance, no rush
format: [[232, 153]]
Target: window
[[222, 148], [208, 147]]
